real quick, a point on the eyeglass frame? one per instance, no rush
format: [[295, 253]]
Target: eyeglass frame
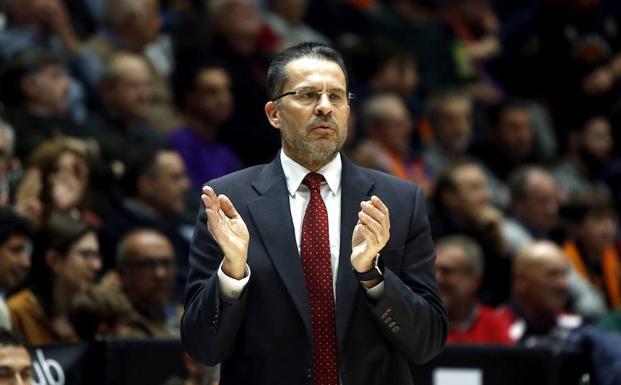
[[350, 96]]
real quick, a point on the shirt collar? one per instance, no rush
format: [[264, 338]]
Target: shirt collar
[[295, 173]]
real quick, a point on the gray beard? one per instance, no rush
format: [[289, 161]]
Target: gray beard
[[307, 153]]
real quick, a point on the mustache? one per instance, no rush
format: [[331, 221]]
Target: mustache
[[323, 120]]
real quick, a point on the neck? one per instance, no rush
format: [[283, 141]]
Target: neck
[[462, 314], [541, 319], [62, 294], [39, 110]]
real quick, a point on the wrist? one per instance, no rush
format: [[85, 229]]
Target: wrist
[[236, 270]]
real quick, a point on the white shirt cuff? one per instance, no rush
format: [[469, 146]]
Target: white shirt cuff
[[231, 288], [376, 292]]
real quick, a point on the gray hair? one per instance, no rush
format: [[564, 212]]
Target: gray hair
[[472, 250], [437, 100], [372, 111], [519, 180]]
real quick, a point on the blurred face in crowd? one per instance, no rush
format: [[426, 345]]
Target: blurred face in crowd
[[47, 90], [15, 366], [514, 134], [452, 127], [212, 98], [293, 11], [395, 127], [130, 94], [15, 255], [471, 193], [239, 22], [398, 75], [596, 140], [313, 126], [4, 156], [596, 232], [538, 209], [165, 189], [147, 22], [79, 268], [540, 278], [148, 272], [458, 280]]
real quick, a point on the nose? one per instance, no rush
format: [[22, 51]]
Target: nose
[[96, 264], [324, 106]]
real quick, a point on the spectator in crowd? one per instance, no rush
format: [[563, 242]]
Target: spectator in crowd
[[15, 361], [134, 25], [155, 184], [243, 44], [146, 263], [535, 200], [9, 167], [450, 116], [591, 249], [207, 106], [462, 205], [588, 157], [539, 294], [65, 264], [286, 19], [58, 178], [100, 311], [35, 89], [459, 269], [15, 251], [126, 93], [388, 127]]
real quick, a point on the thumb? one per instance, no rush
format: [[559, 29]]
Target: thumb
[[227, 207]]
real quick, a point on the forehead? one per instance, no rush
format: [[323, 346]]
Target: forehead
[[150, 245], [450, 254], [16, 357], [313, 72], [210, 76]]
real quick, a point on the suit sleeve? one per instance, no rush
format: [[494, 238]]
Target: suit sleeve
[[410, 313], [210, 323]]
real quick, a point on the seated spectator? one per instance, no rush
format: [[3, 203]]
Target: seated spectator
[[66, 263], [15, 251], [539, 293], [198, 374], [450, 116], [462, 205], [100, 311], [535, 200], [35, 89], [155, 184], [208, 105], [126, 93], [286, 19], [591, 248], [146, 264], [10, 169], [58, 177], [387, 147], [459, 269], [588, 157], [15, 361], [134, 25]]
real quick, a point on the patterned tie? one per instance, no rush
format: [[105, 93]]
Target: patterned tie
[[316, 262]]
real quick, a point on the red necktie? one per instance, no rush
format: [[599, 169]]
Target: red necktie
[[317, 265]]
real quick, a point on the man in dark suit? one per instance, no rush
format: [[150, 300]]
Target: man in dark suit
[[311, 270]]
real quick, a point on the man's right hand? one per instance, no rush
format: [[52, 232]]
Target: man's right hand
[[227, 227]]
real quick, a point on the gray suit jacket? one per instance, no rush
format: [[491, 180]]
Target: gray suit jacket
[[265, 336]]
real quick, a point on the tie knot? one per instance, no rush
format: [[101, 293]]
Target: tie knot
[[313, 180]]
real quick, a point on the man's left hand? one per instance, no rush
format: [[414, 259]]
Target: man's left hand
[[370, 234]]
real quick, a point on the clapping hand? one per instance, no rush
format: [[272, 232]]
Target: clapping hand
[[370, 234], [227, 227]]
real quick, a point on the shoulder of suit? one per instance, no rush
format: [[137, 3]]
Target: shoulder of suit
[[385, 179], [245, 175]]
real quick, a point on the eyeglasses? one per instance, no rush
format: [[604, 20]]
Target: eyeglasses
[[310, 97]]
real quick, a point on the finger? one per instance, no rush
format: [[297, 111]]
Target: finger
[[369, 209], [212, 199], [371, 223], [381, 206], [368, 236], [227, 206]]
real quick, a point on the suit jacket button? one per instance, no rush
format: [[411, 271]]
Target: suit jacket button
[[395, 329], [387, 320], [309, 373], [392, 325]]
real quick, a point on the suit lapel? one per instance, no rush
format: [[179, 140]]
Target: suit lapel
[[272, 216], [355, 187]]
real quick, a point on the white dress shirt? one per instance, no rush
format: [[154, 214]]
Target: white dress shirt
[[299, 196]]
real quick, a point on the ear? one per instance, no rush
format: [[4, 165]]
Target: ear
[[273, 115]]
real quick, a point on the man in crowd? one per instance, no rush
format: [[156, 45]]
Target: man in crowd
[[15, 361], [15, 251], [312, 280], [146, 263], [459, 269]]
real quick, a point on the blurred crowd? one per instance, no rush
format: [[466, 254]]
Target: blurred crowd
[[113, 113]]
